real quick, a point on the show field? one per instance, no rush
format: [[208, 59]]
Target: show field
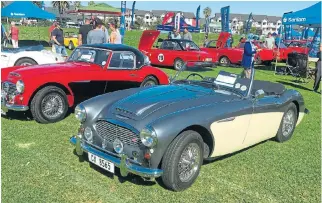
[[40, 165]]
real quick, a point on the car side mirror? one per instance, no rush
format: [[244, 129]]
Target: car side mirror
[[259, 94]]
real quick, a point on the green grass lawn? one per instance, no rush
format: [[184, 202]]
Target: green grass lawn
[[39, 165]]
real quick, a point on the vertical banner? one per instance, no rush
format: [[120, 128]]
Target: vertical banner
[[177, 21], [132, 17], [225, 19], [43, 5], [315, 45], [122, 23], [197, 16], [288, 32], [249, 23]]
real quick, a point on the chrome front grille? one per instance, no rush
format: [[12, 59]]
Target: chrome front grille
[[9, 88], [110, 131]]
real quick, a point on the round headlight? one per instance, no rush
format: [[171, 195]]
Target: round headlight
[[20, 86], [148, 137], [80, 113], [88, 134]]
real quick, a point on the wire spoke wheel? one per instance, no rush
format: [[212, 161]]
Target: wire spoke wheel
[[189, 162], [52, 105], [288, 123]]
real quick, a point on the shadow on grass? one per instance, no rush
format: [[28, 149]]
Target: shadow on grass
[[220, 158], [23, 43], [16, 115], [294, 85]]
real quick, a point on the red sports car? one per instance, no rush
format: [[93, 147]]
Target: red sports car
[[227, 55], [49, 90], [173, 52], [292, 46]]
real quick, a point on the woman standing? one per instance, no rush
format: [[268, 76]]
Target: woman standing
[[14, 32], [248, 58], [116, 37]]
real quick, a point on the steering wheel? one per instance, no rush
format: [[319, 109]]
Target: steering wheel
[[194, 74]]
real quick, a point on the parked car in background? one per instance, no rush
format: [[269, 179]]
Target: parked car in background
[[227, 55], [26, 56], [293, 46], [167, 131], [72, 25], [70, 40], [172, 52], [49, 90]]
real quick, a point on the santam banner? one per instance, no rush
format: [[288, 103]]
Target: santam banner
[[293, 20], [17, 14]]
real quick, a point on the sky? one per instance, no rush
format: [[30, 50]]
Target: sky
[[271, 8]]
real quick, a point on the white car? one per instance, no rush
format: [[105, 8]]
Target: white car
[[26, 56]]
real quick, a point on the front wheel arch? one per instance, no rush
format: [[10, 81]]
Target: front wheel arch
[[19, 59], [207, 137], [67, 91]]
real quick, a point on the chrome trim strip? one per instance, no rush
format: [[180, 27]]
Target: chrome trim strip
[[226, 120], [123, 163]]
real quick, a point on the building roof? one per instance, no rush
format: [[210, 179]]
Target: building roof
[[244, 17]]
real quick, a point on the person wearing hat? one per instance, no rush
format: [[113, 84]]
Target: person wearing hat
[[96, 36], [115, 37], [248, 57], [57, 35], [83, 32], [175, 34]]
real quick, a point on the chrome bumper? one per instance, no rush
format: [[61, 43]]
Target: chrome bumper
[[5, 106], [122, 163]]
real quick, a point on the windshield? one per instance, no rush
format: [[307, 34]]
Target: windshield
[[189, 45], [225, 81], [90, 55]]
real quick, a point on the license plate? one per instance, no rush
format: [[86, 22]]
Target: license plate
[[104, 164]]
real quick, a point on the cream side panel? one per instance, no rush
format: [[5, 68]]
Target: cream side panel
[[229, 135], [300, 118], [262, 126]]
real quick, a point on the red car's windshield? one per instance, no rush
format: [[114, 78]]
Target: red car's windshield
[[90, 55]]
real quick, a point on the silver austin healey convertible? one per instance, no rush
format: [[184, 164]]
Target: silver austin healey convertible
[[167, 131]]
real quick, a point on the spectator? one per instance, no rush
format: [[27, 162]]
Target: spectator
[[230, 41], [187, 34], [96, 36], [175, 34], [83, 32], [57, 35], [169, 35], [51, 42], [318, 72], [248, 57], [14, 32], [4, 36], [115, 37], [270, 41], [107, 37]]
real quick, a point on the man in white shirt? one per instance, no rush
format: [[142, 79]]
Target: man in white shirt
[[270, 41]]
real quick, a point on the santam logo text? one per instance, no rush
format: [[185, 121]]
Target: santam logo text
[[293, 20]]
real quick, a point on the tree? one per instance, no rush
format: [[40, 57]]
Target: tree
[[38, 3], [207, 12], [61, 6], [3, 4], [77, 4], [139, 22], [91, 3]]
